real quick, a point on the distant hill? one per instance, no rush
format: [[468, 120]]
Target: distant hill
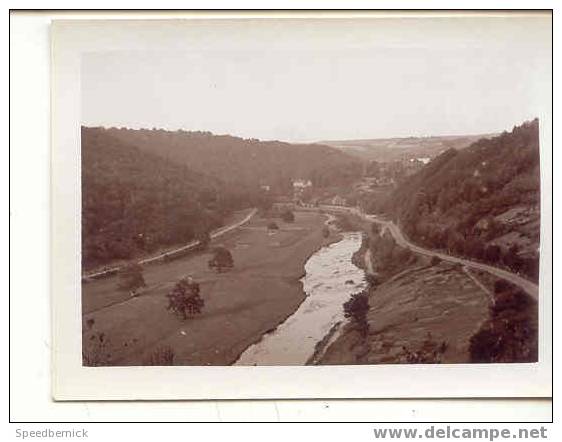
[[399, 149], [246, 162], [482, 201]]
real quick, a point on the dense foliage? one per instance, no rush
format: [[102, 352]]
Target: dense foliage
[[184, 299], [134, 202], [357, 308], [246, 163], [143, 190], [510, 335], [453, 203]]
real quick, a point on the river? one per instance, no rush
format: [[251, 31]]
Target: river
[[330, 280]]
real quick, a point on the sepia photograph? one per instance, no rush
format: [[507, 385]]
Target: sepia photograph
[[369, 204], [353, 201]]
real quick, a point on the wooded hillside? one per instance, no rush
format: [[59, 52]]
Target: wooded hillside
[[246, 162], [147, 189], [134, 202], [482, 202]]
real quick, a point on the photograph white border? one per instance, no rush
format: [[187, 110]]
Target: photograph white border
[[72, 381]]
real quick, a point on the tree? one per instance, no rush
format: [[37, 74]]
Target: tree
[[184, 299], [325, 231], [356, 308], [272, 226], [222, 259], [131, 277], [288, 216]]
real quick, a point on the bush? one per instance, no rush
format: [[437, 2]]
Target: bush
[[356, 308], [288, 216], [514, 299], [435, 260], [184, 299], [131, 277], [511, 339], [222, 259], [325, 231], [510, 334], [273, 226]]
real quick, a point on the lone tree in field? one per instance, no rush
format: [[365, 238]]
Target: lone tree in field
[[222, 259], [288, 216], [131, 277], [184, 299]]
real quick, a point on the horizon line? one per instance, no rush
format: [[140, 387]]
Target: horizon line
[[311, 141]]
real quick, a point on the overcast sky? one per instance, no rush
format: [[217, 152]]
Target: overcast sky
[[333, 79]]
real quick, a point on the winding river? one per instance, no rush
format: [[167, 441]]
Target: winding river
[[330, 280]]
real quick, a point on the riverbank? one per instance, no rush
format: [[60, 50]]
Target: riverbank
[[330, 280], [419, 310], [241, 305]]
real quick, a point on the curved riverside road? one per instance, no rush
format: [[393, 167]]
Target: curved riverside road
[[219, 232], [529, 287]]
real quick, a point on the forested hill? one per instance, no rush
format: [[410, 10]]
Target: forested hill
[[134, 202], [245, 162], [143, 190], [482, 202]]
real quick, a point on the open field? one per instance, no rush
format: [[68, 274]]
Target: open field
[[240, 305]]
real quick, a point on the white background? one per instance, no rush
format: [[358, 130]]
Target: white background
[[29, 271]]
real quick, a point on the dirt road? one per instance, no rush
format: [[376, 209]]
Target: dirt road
[[217, 233], [531, 288]]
